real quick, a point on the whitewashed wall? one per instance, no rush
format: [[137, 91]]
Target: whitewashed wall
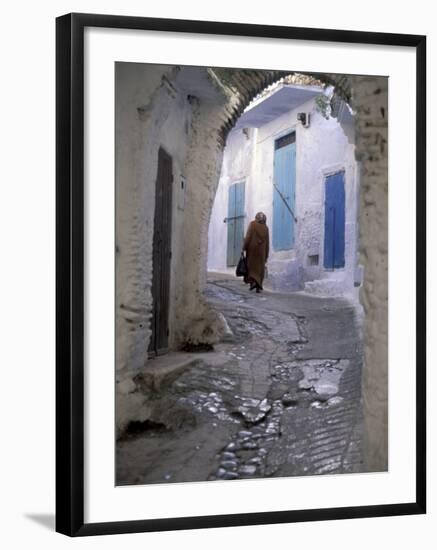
[[144, 122], [238, 165], [155, 108]]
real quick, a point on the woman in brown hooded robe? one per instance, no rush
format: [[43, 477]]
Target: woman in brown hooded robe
[[256, 245]]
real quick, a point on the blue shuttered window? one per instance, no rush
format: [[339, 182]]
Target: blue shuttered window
[[284, 186], [235, 221]]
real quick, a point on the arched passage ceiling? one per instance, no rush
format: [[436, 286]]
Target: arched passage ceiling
[[243, 85]]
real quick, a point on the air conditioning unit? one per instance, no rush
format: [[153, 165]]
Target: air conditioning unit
[[304, 119]]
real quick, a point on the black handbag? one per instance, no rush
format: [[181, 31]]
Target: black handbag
[[241, 270]]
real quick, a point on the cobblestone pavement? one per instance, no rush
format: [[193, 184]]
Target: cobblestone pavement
[[280, 397]]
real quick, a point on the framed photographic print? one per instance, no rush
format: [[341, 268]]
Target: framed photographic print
[[240, 274]]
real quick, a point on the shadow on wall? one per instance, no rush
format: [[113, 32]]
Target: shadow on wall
[[45, 520]]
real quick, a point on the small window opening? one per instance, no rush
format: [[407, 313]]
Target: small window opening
[[285, 140]]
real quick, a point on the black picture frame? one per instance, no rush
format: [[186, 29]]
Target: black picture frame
[[70, 273]]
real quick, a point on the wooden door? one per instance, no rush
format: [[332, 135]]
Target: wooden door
[[161, 254], [235, 221], [334, 221], [284, 186]]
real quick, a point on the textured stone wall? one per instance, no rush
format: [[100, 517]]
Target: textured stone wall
[[370, 100], [190, 111], [149, 112], [156, 107]]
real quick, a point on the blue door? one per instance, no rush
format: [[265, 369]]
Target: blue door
[[334, 221], [284, 185], [235, 221]]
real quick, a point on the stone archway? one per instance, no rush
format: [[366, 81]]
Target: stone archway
[[192, 110], [212, 125]]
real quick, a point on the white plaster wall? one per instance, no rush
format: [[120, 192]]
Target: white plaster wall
[[324, 149], [320, 149], [155, 108], [238, 159], [143, 125], [148, 111]]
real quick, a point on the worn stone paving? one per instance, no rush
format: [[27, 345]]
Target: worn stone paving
[[280, 397]]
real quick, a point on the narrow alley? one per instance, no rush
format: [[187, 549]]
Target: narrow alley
[[280, 397]]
